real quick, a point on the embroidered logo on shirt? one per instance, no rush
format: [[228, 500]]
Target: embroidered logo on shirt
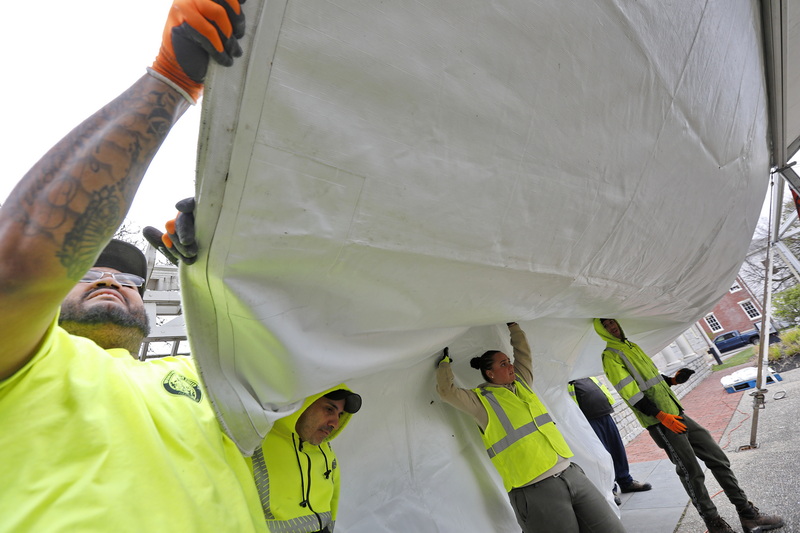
[[180, 385]]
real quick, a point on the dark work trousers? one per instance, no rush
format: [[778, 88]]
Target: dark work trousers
[[567, 502], [684, 450], [606, 430]]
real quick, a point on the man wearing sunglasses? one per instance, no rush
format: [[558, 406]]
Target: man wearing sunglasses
[[91, 439], [106, 304]]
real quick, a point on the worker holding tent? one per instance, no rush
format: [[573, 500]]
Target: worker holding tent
[[657, 408], [296, 468], [92, 439], [547, 491]]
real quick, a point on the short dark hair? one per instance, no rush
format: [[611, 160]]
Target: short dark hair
[[484, 362]]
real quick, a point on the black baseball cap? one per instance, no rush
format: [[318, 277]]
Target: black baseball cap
[[125, 257], [352, 401]]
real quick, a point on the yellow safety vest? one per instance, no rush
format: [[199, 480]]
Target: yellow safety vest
[[521, 439], [298, 482], [635, 376]]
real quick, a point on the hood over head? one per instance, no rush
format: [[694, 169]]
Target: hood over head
[[604, 334], [352, 403]]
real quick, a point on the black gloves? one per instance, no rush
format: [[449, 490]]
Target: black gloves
[[445, 356], [178, 244], [683, 375]]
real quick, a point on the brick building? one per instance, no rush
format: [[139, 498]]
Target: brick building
[[739, 309]]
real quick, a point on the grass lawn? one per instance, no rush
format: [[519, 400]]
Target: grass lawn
[[740, 358]]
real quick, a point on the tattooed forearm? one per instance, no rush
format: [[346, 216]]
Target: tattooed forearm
[[89, 231], [76, 196]]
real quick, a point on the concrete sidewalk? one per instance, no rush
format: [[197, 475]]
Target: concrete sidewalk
[[769, 474]]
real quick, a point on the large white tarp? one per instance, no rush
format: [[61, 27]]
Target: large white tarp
[[378, 180]]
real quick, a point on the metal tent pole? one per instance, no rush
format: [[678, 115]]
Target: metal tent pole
[[759, 394]]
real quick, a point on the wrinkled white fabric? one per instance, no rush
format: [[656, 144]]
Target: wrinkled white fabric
[[380, 180]]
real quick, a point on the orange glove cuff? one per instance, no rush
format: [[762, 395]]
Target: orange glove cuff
[[173, 75]]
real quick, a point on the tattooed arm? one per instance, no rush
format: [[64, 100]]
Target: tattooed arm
[[66, 208], [60, 216]]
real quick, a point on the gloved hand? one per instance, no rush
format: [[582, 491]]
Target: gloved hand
[[195, 30], [672, 422], [445, 356], [682, 375], [178, 244]]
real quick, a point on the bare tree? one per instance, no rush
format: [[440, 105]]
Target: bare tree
[[132, 233], [752, 270]]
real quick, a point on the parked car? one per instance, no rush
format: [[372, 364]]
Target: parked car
[[735, 339]]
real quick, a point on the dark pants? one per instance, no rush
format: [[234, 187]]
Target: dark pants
[[567, 502], [606, 430], [684, 449]]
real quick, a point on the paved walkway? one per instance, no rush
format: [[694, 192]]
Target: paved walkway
[[770, 474]]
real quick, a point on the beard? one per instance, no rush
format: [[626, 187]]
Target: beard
[[98, 321], [99, 315]]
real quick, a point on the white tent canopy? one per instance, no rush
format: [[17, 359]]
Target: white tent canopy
[[380, 180]]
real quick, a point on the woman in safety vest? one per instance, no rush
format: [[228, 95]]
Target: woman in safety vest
[[547, 491]]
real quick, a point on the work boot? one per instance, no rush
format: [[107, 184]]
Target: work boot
[[752, 519], [635, 486], [719, 525]]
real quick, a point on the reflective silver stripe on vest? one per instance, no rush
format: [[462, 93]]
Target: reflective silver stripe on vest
[[624, 382], [261, 478], [634, 376], [512, 435], [303, 524]]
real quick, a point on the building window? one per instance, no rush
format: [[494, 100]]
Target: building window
[[736, 287], [750, 309], [713, 323]]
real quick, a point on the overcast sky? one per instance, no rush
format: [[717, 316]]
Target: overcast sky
[[63, 61]]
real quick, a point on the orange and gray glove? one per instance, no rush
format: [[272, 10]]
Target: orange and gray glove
[[178, 243], [196, 30], [672, 422]]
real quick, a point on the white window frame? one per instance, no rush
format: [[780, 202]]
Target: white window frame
[[735, 287], [709, 318], [755, 309]]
